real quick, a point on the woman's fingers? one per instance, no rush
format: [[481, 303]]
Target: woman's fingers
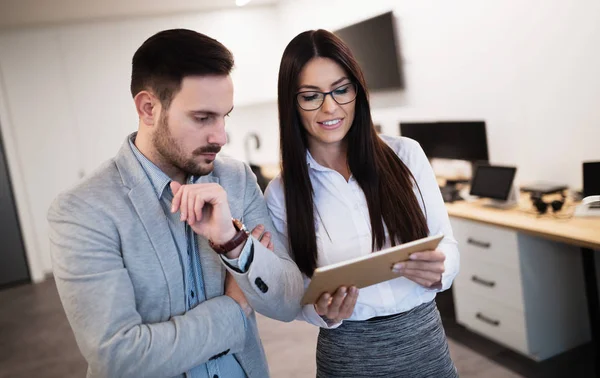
[[264, 237], [347, 307], [436, 255], [436, 267], [322, 304], [338, 306], [258, 231], [429, 277]]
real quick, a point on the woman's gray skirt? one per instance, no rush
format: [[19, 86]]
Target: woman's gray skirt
[[409, 344]]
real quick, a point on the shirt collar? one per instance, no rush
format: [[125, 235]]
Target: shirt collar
[[312, 163]]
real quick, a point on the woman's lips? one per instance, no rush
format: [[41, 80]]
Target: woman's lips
[[331, 124]]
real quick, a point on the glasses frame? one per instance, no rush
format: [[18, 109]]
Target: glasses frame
[[328, 93]]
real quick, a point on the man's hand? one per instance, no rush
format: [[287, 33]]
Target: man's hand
[[339, 306], [205, 208], [264, 237], [425, 268], [233, 290]]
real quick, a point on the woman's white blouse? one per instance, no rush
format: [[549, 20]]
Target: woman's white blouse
[[343, 231]]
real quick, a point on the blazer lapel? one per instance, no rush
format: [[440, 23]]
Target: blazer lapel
[[146, 204], [143, 198]]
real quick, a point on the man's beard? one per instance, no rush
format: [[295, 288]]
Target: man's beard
[[172, 153]]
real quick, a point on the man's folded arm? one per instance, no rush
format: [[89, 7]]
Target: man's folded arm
[[99, 300], [272, 283]]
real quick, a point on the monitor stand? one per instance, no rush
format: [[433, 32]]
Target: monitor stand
[[510, 202]]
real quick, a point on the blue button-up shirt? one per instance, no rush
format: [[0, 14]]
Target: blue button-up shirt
[[185, 240]]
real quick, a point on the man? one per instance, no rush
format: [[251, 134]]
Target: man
[[155, 277]]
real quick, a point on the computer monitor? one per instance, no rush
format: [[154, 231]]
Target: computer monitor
[[591, 178], [495, 182], [461, 140]]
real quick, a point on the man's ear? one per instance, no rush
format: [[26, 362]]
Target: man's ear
[[147, 107]]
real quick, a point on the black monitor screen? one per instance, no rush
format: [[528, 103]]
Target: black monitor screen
[[493, 182], [591, 179], [449, 140], [373, 43]]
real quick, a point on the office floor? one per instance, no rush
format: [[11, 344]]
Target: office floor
[[36, 341]]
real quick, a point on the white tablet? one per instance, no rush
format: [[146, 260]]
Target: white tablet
[[365, 270]]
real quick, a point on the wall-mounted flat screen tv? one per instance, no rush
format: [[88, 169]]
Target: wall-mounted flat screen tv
[[374, 43]]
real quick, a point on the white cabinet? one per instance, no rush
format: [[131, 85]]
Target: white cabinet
[[521, 291], [492, 319]]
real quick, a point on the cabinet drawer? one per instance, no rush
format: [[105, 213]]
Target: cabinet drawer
[[486, 243], [495, 282], [495, 321]]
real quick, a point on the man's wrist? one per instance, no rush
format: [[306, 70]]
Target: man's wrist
[[236, 252], [225, 236], [230, 246]]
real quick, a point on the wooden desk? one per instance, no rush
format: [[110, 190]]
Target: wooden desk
[[580, 232]]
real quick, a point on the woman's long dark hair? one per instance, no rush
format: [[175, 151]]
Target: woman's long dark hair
[[383, 177]]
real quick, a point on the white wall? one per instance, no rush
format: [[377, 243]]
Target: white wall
[[530, 69], [67, 103], [260, 119], [42, 143], [98, 60]]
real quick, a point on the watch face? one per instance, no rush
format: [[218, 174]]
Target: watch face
[[238, 225]]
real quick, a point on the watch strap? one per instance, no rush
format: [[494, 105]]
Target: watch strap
[[240, 237]]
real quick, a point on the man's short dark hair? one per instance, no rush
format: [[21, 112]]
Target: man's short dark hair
[[163, 60]]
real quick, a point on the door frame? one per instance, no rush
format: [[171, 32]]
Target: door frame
[[19, 190]]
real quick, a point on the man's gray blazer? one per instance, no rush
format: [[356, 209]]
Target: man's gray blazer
[[120, 279]]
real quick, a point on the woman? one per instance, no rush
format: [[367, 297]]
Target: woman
[[344, 192]]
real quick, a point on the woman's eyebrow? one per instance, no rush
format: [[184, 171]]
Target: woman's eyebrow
[[317, 88]]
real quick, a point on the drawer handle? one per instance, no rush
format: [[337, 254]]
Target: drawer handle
[[483, 282], [478, 243], [485, 319]]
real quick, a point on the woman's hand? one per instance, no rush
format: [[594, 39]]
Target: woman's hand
[[339, 306], [264, 237], [425, 268]]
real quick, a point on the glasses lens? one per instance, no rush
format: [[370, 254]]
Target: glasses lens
[[345, 94], [310, 100]]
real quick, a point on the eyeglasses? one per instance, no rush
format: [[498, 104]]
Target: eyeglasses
[[313, 100]]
